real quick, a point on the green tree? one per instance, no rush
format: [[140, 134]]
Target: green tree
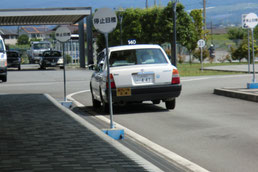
[[197, 32], [184, 26], [150, 22], [23, 39], [241, 52], [235, 34], [256, 32]]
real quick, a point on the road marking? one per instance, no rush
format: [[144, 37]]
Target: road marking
[[173, 157], [25, 84], [214, 77]]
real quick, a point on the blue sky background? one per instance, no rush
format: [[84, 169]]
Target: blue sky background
[[189, 4], [225, 11]]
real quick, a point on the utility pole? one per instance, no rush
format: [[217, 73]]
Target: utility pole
[[146, 4], [174, 59], [155, 3], [211, 33], [204, 14]]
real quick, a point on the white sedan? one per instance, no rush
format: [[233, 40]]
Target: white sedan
[[137, 73]]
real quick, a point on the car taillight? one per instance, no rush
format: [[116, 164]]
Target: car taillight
[[112, 81], [175, 77]]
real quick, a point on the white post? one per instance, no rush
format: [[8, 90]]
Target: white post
[[201, 60], [253, 55], [109, 85]]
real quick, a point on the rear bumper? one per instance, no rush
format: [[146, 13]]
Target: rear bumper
[[145, 93]]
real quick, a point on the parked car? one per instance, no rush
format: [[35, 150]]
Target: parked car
[[137, 73], [3, 61], [37, 48], [60, 62], [13, 59], [49, 58]]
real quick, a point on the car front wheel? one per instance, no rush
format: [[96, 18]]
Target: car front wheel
[[4, 78], [171, 104]]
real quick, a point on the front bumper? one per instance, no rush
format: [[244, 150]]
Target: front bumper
[[145, 93], [3, 71], [50, 62], [15, 63]]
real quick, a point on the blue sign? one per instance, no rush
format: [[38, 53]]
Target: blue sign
[[131, 41]]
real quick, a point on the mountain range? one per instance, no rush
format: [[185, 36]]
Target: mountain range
[[224, 12]]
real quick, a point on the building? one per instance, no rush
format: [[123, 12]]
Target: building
[[33, 32], [10, 36]]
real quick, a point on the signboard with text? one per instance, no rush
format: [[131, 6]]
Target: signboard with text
[[251, 20], [105, 20], [63, 34]]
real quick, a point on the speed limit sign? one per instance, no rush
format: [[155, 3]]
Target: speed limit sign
[[201, 43]]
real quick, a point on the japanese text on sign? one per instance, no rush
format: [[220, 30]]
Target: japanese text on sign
[[104, 20]]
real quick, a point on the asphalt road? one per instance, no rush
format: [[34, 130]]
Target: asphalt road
[[215, 132]]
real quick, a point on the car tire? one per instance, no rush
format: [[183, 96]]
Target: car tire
[[19, 67], [105, 106], [170, 104], [95, 103], [155, 102], [4, 79]]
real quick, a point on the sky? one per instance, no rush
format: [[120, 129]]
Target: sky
[[189, 4]]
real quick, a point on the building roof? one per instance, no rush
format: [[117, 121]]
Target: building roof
[[33, 29], [43, 16], [8, 32]]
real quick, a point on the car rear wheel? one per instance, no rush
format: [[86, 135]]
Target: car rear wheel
[[170, 104], [95, 103], [105, 106]]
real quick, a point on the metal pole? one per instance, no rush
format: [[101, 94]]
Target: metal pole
[[82, 43], [174, 34], [121, 20], [201, 60], [204, 14], [248, 51], [89, 40], [109, 85], [64, 63], [253, 54]]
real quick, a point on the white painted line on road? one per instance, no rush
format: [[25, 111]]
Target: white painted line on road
[[26, 84], [213, 77], [127, 152], [79, 92], [173, 157]]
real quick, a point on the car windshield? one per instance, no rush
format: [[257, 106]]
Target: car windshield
[[41, 46], [136, 57], [52, 54], [12, 54], [1, 46]]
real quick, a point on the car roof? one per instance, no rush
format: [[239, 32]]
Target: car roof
[[137, 46]]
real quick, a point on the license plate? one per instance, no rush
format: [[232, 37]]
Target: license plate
[[53, 64], [143, 78], [123, 92]]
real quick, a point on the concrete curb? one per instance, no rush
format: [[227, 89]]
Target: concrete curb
[[127, 152], [243, 94], [177, 160]]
